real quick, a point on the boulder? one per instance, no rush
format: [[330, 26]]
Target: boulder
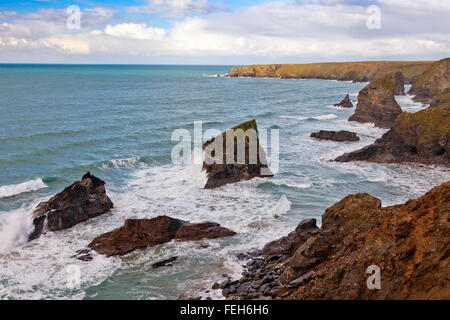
[[79, 202], [399, 84], [288, 244], [339, 136], [205, 230], [422, 137], [435, 81], [252, 164], [345, 103], [376, 103], [142, 233]]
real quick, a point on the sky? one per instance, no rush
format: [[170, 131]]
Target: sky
[[224, 32]]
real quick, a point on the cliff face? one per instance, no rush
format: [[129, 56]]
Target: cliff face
[[377, 104], [409, 243], [345, 71], [433, 82], [422, 137]]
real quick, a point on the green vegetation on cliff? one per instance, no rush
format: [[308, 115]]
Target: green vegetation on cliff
[[346, 71]]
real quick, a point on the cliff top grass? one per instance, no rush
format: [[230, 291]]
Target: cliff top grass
[[357, 71], [251, 124], [386, 81]]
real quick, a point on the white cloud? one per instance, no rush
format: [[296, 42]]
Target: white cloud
[[322, 30], [135, 31]]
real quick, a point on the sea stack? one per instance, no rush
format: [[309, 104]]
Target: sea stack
[[376, 103], [79, 202], [399, 84], [345, 103], [246, 161]]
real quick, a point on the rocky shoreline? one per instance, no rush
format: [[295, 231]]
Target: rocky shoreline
[[408, 242]]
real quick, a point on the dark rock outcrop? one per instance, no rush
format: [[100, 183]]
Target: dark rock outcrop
[[339, 136], [79, 202], [221, 170], [435, 81], [399, 84], [345, 103], [408, 242], [376, 103], [422, 137], [142, 233], [288, 244], [205, 230]]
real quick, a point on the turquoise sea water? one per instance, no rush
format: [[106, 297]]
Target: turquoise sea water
[[57, 122]]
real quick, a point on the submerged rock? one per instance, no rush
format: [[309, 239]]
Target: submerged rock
[[252, 164], [345, 103], [142, 233], [165, 263], [435, 81], [376, 103], [79, 202], [339, 136], [422, 137]]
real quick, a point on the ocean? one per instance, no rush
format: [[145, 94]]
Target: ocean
[[60, 121]]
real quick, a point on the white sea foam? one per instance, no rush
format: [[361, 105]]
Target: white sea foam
[[122, 163], [328, 116], [16, 189], [15, 227]]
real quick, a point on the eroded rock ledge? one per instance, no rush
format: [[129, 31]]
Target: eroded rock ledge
[[79, 202], [339, 136], [408, 242], [422, 137], [142, 233]]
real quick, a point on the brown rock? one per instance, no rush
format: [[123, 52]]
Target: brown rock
[[408, 242], [253, 163], [288, 245], [79, 202], [142, 233], [435, 81], [136, 233], [339, 136], [205, 230], [345, 103], [399, 84], [376, 103], [422, 137]]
